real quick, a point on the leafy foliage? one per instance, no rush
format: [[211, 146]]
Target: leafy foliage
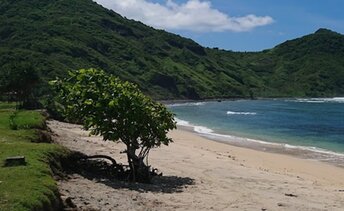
[[118, 111], [17, 81], [57, 36]]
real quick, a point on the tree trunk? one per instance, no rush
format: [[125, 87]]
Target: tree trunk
[[139, 171]]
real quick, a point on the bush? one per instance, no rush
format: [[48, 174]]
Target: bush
[[118, 111]]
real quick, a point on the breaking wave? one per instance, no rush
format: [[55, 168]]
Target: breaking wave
[[323, 153], [240, 113], [319, 100], [186, 104]]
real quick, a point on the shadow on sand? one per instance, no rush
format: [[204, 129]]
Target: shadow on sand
[[160, 184], [102, 172]]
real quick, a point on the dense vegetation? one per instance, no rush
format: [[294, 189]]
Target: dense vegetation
[[118, 111], [59, 35], [31, 186], [17, 82]]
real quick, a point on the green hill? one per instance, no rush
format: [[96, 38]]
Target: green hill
[[59, 35], [310, 66]]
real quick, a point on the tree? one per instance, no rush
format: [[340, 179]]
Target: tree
[[118, 111], [17, 81]]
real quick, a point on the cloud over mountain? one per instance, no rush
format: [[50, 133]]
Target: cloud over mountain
[[193, 15]]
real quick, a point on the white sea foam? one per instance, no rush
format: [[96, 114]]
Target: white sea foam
[[229, 138], [186, 104], [319, 100], [203, 130], [313, 101], [310, 100], [182, 122], [329, 154], [335, 99], [240, 113], [262, 142], [314, 149], [211, 133], [196, 128]]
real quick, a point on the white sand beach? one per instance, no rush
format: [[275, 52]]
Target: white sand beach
[[200, 174]]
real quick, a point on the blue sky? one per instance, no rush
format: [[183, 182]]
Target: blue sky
[[238, 25]]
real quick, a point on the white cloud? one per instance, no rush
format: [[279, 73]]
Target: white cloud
[[193, 15]]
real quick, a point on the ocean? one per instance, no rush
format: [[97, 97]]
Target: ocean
[[309, 128]]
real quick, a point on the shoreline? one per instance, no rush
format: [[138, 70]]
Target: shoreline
[[185, 101], [204, 175], [254, 152], [302, 152], [277, 144]]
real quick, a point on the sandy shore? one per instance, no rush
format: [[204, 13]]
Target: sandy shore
[[204, 175]]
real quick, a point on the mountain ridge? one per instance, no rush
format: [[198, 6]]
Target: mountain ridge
[[60, 35]]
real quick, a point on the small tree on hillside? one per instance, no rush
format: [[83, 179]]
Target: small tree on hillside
[[118, 111], [17, 81]]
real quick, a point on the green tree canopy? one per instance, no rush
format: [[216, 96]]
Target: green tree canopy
[[17, 81], [118, 111]]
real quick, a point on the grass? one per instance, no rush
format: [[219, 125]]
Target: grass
[[29, 187]]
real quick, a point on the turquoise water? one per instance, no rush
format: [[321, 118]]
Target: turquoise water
[[308, 123]]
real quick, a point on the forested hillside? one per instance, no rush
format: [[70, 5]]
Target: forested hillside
[[55, 36]]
